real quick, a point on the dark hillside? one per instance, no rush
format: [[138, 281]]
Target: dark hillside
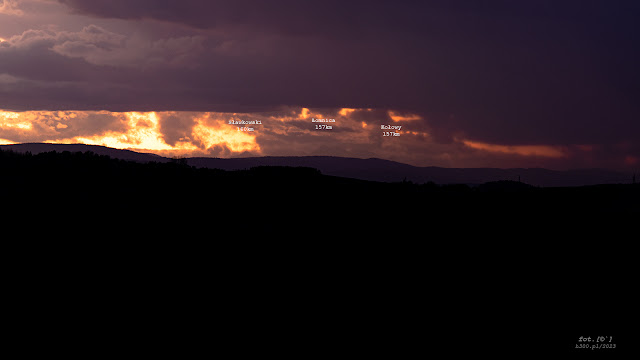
[[364, 169], [286, 230], [277, 198]]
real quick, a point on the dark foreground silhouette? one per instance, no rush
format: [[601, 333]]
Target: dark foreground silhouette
[[89, 183], [364, 169], [256, 243]]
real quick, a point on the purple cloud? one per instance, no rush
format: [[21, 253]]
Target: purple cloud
[[494, 72]]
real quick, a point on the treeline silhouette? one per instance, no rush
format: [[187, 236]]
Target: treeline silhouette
[[91, 188], [269, 236], [73, 175]]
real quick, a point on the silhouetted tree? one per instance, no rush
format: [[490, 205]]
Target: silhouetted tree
[[180, 161]]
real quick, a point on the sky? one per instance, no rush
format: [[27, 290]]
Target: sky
[[493, 83]]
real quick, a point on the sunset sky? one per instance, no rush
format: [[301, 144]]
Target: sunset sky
[[494, 83]]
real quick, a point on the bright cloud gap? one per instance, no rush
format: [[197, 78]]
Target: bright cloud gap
[[288, 131]]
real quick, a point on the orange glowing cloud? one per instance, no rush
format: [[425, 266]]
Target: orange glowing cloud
[[13, 120], [523, 150], [141, 134], [131, 130], [144, 133], [396, 117], [346, 111], [217, 133], [304, 113]]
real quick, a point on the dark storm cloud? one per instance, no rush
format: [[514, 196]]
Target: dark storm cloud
[[192, 13], [328, 17], [496, 71]]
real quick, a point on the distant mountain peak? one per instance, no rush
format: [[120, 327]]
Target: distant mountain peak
[[365, 169]]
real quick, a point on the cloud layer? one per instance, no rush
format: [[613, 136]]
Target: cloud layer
[[293, 131], [521, 78]]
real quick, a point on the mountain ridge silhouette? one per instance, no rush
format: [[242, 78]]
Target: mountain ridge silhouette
[[373, 169]]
